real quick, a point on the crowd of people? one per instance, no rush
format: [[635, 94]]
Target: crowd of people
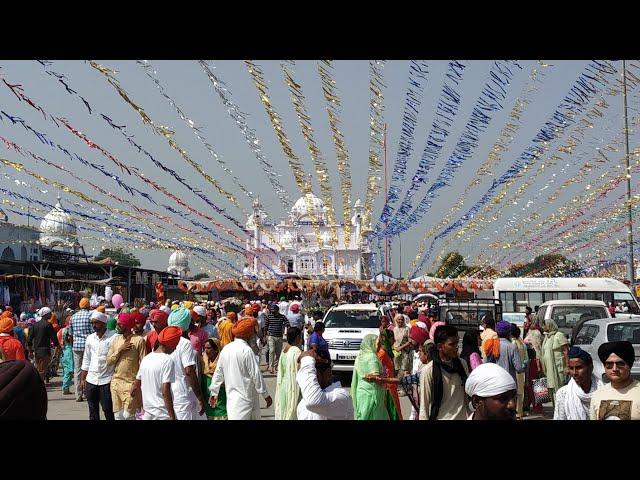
[[190, 361]]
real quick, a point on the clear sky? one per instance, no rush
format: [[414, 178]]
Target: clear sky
[[186, 83]]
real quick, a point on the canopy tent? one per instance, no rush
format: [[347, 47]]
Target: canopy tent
[[383, 277]]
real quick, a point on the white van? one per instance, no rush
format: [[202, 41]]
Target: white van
[[567, 313], [345, 327]]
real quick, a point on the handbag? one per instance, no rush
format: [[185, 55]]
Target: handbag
[[541, 390]]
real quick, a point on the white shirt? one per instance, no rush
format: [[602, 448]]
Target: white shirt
[[94, 360], [284, 308], [155, 369], [184, 398], [239, 370], [332, 403]]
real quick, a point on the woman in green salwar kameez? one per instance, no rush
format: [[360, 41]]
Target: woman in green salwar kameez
[[555, 357], [210, 356], [368, 397]]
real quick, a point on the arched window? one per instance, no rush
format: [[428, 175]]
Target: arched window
[[23, 253], [7, 254]]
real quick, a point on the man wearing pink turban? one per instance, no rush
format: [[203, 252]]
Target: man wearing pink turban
[[125, 354]]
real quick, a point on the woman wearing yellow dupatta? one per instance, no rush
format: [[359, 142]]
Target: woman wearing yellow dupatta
[[368, 397], [287, 390], [210, 356]]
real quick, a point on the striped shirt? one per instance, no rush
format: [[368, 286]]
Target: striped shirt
[[275, 324], [80, 328]]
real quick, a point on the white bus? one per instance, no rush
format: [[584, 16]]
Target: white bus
[[518, 293]]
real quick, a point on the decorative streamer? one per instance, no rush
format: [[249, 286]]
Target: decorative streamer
[[321, 169], [106, 222], [574, 138], [418, 71], [294, 162], [574, 103], [333, 111], [129, 138], [376, 138], [446, 111], [163, 131], [63, 187], [249, 135], [505, 138], [152, 74], [491, 98], [587, 168]]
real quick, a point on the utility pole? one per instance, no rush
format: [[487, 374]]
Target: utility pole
[[386, 190], [400, 255], [630, 266]]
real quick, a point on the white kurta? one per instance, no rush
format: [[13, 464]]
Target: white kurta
[[332, 403], [238, 369]]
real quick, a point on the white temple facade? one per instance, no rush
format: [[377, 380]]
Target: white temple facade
[[305, 244]]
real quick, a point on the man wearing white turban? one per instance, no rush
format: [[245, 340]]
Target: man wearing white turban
[[493, 393]]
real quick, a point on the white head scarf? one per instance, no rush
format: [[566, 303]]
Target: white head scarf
[[166, 309], [42, 312], [489, 379], [101, 317], [200, 310]]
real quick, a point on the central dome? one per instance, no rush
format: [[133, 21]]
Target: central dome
[[301, 207], [178, 259], [58, 228]]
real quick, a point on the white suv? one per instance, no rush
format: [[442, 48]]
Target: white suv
[[345, 327]]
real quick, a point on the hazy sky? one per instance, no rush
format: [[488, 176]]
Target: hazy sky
[[186, 83]]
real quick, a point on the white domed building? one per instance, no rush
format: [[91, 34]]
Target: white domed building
[[306, 244], [178, 264], [58, 231]]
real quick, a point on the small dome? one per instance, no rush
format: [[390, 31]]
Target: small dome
[[178, 259], [58, 228], [300, 208]]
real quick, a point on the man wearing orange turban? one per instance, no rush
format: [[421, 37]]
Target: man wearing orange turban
[[239, 370], [158, 320], [11, 346], [125, 355], [155, 376], [84, 303], [224, 329]]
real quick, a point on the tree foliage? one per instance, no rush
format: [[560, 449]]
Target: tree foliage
[[119, 255]]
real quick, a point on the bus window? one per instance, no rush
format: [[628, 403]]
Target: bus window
[[535, 298], [550, 296], [507, 301], [564, 295]]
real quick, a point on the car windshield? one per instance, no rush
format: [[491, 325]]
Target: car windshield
[[625, 303], [629, 331], [569, 315], [352, 319]]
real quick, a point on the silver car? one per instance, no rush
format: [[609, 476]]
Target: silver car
[[593, 333]]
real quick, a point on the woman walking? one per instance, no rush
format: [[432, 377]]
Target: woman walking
[[403, 357], [368, 397], [385, 355], [210, 357], [287, 390], [471, 348], [555, 357], [533, 343]]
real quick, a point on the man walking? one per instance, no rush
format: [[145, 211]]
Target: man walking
[[79, 330], [238, 369], [275, 329], [96, 372], [509, 357], [41, 336], [155, 376], [442, 395], [158, 320], [125, 355], [188, 400]]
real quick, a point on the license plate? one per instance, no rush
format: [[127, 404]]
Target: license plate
[[346, 357]]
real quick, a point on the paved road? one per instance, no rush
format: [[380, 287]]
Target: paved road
[[64, 407]]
